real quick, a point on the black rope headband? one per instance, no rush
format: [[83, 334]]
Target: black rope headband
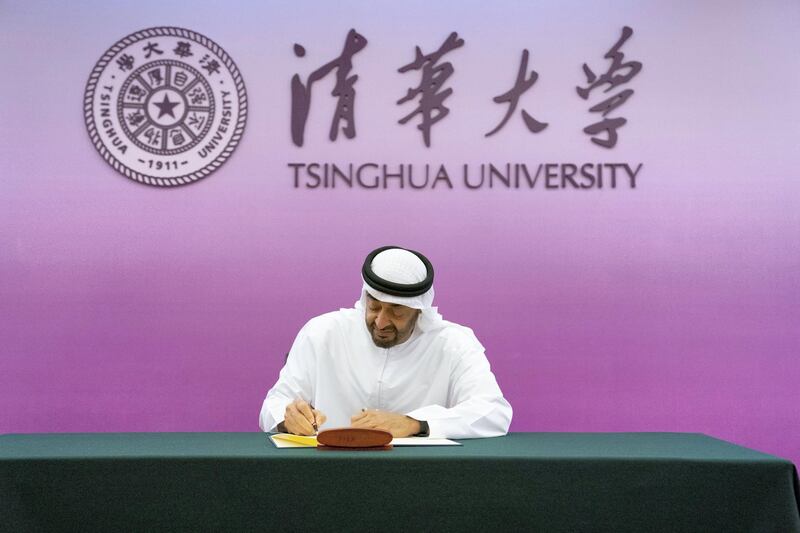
[[390, 287]]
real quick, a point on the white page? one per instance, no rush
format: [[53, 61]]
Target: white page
[[423, 441], [398, 441]]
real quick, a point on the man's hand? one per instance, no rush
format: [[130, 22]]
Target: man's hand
[[396, 424], [300, 418]]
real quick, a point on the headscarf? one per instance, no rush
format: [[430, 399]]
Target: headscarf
[[402, 267]]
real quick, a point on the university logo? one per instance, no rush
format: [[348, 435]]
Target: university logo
[[165, 106]]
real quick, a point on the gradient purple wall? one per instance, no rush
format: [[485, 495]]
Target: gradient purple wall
[[672, 307]]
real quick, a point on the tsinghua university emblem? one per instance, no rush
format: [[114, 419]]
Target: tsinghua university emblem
[[165, 106]]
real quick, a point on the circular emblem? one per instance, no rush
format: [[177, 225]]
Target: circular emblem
[[165, 106]]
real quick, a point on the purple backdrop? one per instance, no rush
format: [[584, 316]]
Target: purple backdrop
[[671, 307]]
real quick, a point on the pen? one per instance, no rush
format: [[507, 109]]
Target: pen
[[314, 423]]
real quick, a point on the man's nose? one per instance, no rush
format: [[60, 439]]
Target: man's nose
[[382, 320]]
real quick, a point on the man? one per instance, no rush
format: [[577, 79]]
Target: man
[[390, 363]]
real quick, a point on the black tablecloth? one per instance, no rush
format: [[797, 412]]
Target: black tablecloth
[[616, 482]]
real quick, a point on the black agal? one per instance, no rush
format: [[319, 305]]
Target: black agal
[[390, 287]]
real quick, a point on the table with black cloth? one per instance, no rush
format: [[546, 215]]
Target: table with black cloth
[[617, 482]]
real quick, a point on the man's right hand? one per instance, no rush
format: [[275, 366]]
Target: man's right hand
[[300, 418]]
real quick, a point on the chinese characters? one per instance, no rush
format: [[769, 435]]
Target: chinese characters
[[432, 91], [344, 90], [513, 95], [431, 96], [614, 78]]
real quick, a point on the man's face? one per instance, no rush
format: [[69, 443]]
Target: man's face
[[389, 324]]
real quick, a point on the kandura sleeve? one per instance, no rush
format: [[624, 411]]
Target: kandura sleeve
[[476, 406], [296, 380]]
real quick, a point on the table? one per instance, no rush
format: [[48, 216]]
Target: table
[[522, 482]]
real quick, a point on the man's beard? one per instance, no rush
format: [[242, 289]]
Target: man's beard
[[399, 336]]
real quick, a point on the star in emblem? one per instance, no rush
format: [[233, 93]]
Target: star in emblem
[[165, 107]]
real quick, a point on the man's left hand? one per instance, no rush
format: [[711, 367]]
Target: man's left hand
[[395, 423]]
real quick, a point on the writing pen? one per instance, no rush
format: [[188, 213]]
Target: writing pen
[[313, 416]]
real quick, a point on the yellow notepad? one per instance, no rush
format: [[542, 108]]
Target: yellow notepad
[[287, 440]]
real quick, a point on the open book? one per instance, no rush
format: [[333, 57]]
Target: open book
[[287, 440]]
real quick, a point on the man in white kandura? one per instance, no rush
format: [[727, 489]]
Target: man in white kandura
[[390, 363]]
